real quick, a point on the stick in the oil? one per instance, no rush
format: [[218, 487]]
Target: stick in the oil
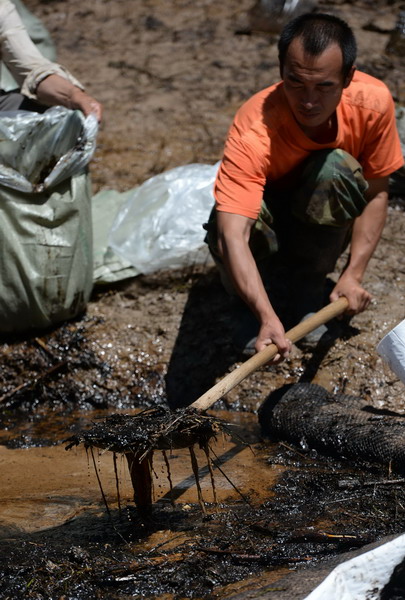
[[261, 358]]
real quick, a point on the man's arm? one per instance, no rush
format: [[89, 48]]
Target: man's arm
[[366, 234], [40, 79], [233, 241]]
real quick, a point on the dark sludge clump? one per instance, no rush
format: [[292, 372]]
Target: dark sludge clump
[[137, 437]]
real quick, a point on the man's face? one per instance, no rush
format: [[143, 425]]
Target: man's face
[[313, 85]]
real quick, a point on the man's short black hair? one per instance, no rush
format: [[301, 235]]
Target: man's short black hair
[[317, 32]]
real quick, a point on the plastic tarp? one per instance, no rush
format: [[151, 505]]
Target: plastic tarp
[[392, 349], [46, 266], [160, 226], [108, 266], [362, 577]]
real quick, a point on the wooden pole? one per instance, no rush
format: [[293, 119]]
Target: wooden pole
[[261, 358]]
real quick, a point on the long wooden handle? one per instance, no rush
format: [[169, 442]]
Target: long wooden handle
[[261, 358]]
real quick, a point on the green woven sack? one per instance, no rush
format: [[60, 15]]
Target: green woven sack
[[46, 266]]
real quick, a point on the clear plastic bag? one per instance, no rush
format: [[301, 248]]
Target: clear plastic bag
[[161, 224], [38, 151]]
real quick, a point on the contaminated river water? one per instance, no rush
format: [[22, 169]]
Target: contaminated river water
[[69, 527]]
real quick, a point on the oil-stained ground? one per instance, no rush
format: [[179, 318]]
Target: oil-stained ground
[[171, 75]]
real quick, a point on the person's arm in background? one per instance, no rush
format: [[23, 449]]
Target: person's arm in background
[[233, 243], [367, 230], [39, 78], [56, 90]]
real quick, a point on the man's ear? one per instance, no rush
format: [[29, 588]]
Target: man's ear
[[349, 77]]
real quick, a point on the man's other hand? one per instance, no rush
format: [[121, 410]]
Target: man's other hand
[[357, 296]]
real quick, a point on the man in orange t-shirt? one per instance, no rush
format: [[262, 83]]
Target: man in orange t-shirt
[[305, 170]]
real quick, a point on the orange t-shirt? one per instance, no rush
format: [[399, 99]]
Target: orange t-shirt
[[265, 142]]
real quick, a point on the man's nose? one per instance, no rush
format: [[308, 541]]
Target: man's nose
[[309, 99]]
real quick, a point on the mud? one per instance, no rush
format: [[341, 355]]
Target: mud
[[309, 510], [171, 75]]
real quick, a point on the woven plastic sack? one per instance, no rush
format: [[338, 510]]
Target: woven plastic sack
[[160, 226], [46, 267]]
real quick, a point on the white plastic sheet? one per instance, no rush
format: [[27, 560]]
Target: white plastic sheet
[[362, 577], [392, 349], [161, 224], [108, 266]]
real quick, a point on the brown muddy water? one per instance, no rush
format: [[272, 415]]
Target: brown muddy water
[[278, 509]]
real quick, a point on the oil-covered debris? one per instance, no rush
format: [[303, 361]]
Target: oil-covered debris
[[319, 508], [152, 429], [78, 366], [337, 424], [37, 364]]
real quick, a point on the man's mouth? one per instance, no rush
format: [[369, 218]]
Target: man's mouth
[[308, 114]]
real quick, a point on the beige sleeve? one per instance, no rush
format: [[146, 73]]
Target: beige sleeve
[[20, 55]]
